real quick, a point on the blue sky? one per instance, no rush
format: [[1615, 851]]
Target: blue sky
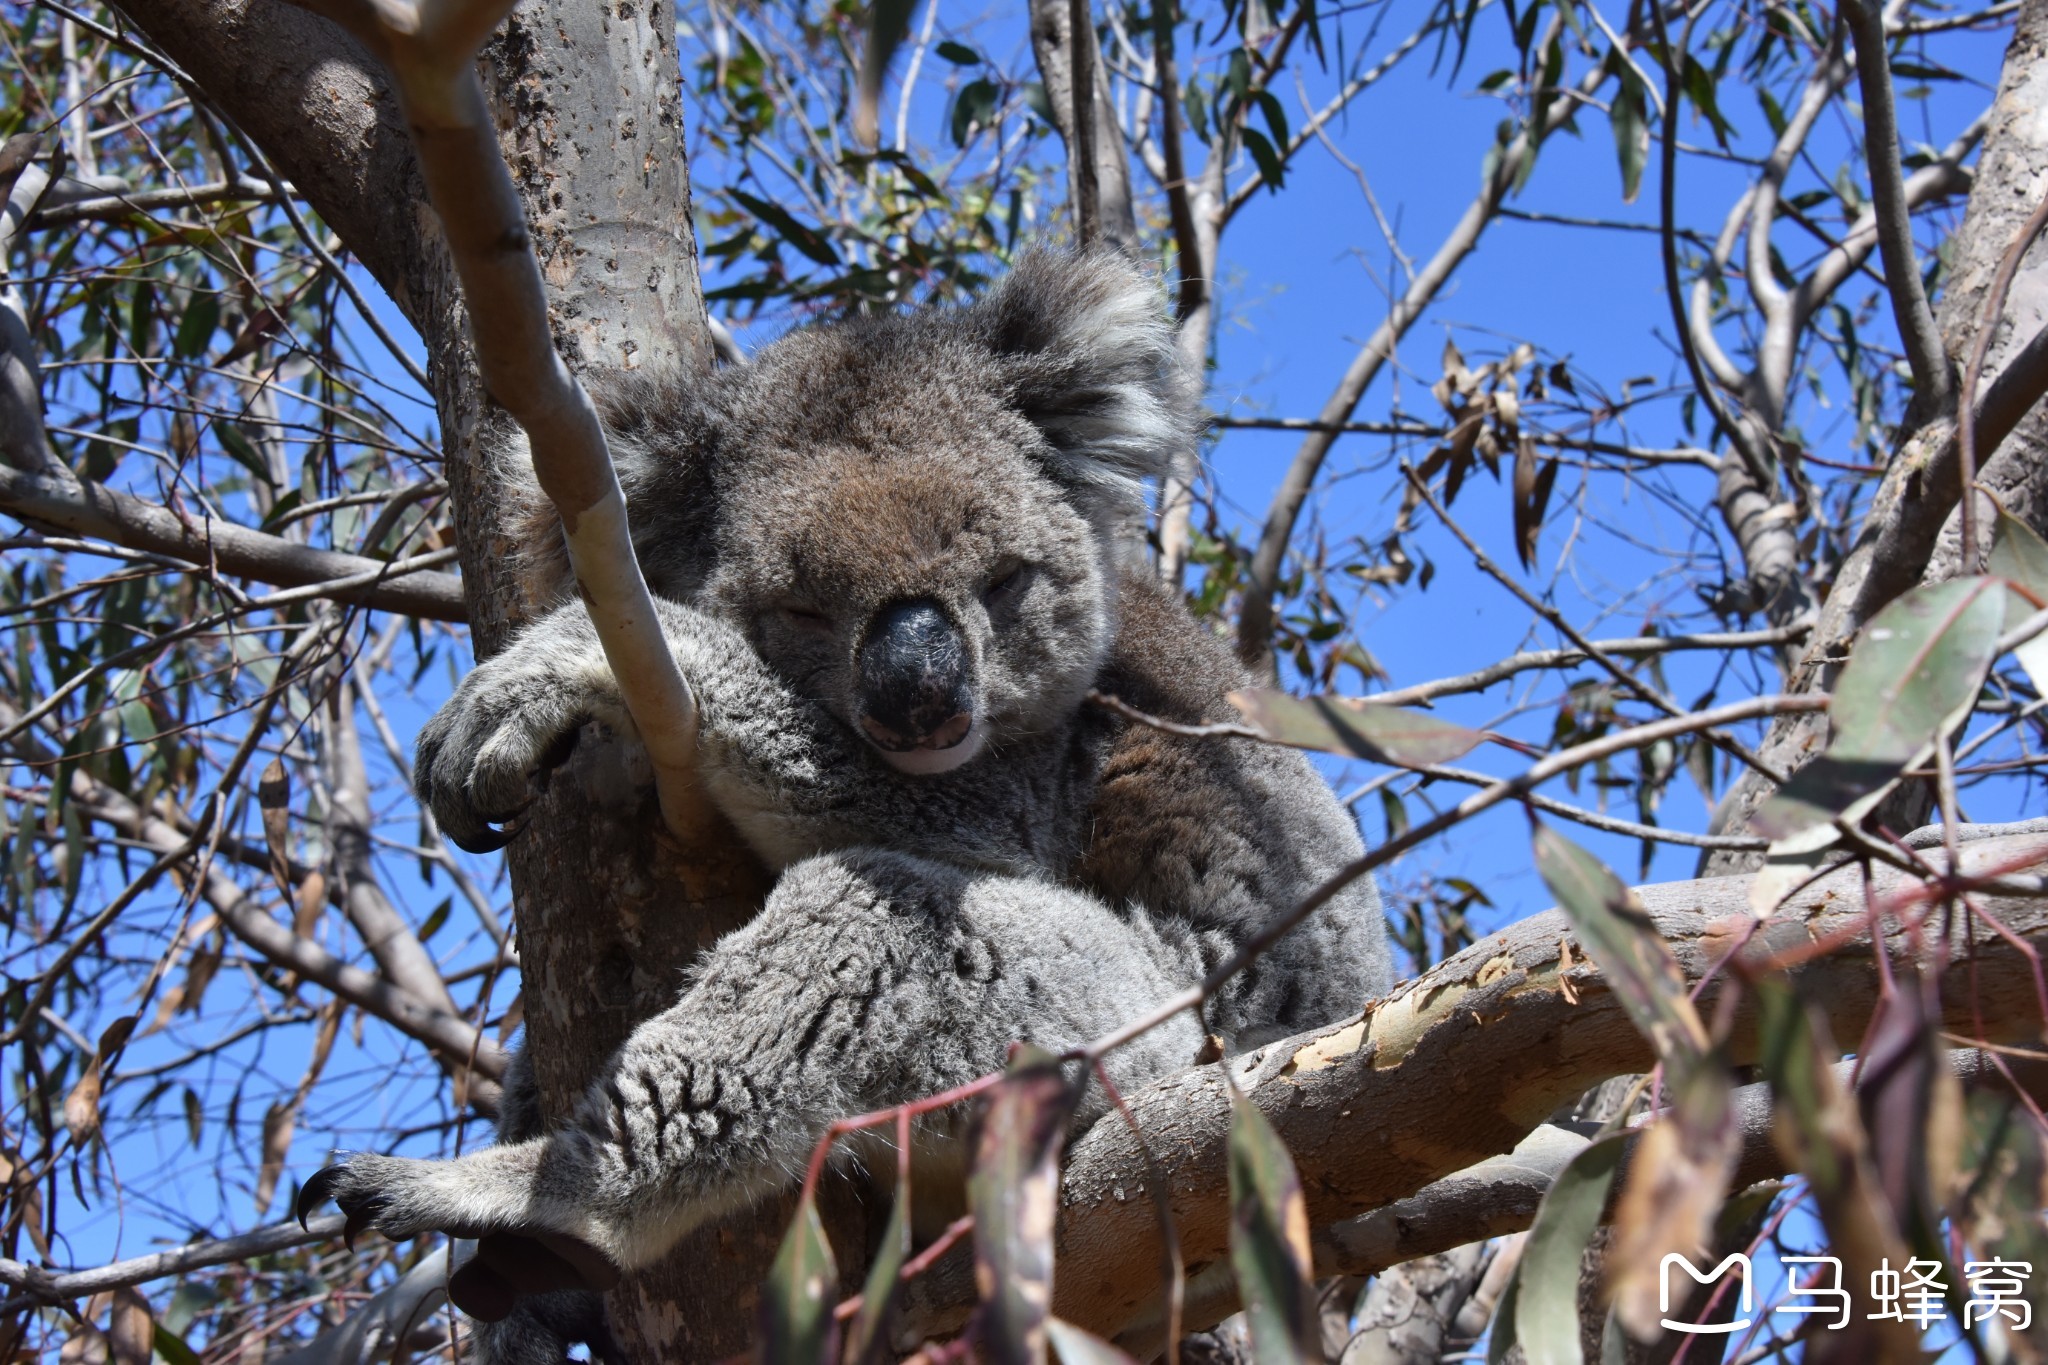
[[1305, 277]]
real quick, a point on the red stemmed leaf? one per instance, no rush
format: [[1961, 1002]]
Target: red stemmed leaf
[[1269, 1241], [1014, 1193], [1912, 676], [802, 1289]]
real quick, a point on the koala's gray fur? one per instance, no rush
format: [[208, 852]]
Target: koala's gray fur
[[1033, 868]]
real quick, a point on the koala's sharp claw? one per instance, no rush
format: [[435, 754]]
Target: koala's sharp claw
[[359, 1217], [317, 1190]]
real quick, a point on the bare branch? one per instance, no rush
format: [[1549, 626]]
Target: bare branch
[[91, 509], [1099, 185], [1635, 647], [1255, 619], [1932, 381], [77, 1284]]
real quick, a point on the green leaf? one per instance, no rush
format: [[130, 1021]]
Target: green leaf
[[1356, 728], [435, 920], [1272, 171], [1076, 1346], [172, 1347], [1700, 88], [1276, 116], [1618, 935], [1500, 1338], [1546, 1291], [1629, 115], [1912, 677], [802, 1288], [195, 1116], [804, 239], [243, 452], [975, 106], [959, 54], [1269, 1241], [866, 1340], [2020, 557], [1014, 1192], [1396, 812], [195, 329]]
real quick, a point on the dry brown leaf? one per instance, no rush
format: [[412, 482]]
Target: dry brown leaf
[[515, 1014], [131, 1328], [1676, 1179], [278, 1122], [274, 795], [82, 1105], [311, 900]]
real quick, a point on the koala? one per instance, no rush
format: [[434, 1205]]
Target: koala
[[890, 558]]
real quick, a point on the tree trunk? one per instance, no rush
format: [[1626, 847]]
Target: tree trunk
[[609, 910]]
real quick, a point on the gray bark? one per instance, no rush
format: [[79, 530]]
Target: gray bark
[[1408, 1311], [1051, 27], [609, 909], [1456, 1067]]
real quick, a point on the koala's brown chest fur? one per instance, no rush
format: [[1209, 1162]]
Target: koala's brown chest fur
[[1162, 806]]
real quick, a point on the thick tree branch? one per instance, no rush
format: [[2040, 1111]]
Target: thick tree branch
[[90, 509], [1099, 185], [1461, 1065]]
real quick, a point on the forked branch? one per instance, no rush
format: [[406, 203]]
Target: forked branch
[[430, 48]]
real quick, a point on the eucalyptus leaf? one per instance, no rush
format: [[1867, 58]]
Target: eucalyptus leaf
[[1357, 729], [802, 1290], [1913, 676], [1546, 1291], [1269, 1241], [1014, 1193]]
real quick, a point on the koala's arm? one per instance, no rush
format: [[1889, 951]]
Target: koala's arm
[[791, 779]]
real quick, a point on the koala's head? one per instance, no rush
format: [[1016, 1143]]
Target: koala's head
[[919, 519]]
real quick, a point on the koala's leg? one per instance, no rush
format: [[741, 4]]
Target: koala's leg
[[871, 978]]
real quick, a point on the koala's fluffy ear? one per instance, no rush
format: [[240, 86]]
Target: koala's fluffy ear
[[659, 435], [1090, 358]]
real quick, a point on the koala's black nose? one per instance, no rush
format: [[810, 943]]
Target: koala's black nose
[[914, 691]]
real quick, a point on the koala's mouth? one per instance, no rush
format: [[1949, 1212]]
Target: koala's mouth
[[941, 750]]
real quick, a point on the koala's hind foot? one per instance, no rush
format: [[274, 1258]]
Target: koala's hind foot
[[869, 979]]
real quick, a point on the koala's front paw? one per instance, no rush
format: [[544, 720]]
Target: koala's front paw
[[513, 719], [404, 1198], [398, 1196]]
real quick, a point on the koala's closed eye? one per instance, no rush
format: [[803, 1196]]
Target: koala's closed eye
[[805, 616], [1006, 582]]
